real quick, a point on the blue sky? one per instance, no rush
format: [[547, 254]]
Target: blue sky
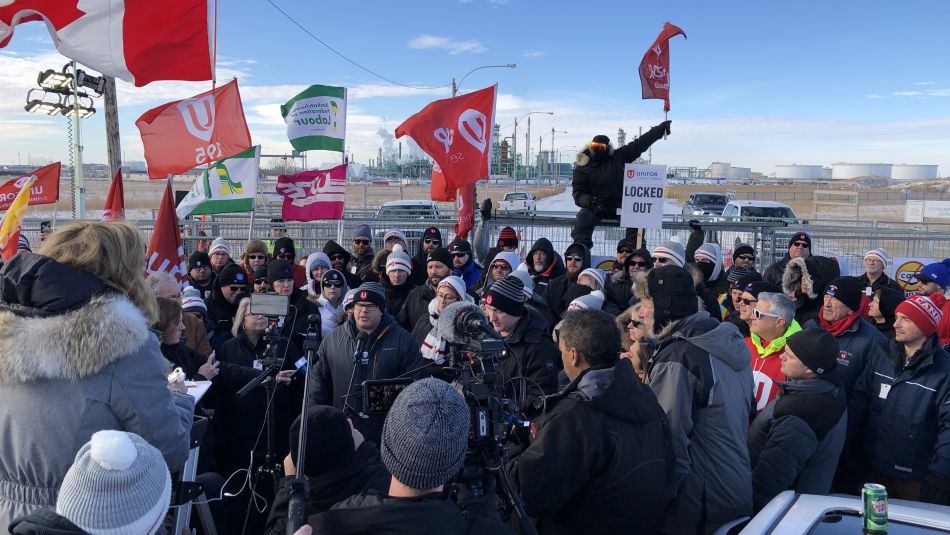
[[755, 84]]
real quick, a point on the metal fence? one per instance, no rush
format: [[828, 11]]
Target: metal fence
[[845, 239]]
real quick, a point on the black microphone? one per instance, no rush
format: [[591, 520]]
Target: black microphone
[[461, 321], [361, 354]]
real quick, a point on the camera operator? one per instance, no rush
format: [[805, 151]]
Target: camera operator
[[230, 286], [597, 462], [531, 354], [339, 464], [369, 346], [425, 438], [280, 274]]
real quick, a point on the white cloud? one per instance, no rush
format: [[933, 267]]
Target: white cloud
[[873, 95], [532, 53], [925, 83], [907, 93], [424, 42]]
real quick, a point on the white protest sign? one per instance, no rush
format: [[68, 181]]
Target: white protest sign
[[643, 189]]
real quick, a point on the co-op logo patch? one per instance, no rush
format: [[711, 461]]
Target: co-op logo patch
[[906, 275]]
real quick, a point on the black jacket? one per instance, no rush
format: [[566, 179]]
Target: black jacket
[[532, 354], [619, 288], [432, 514], [795, 442], [365, 474], [554, 269], [396, 295], [600, 180], [392, 353], [599, 455], [332, 248], [44, 522], [564, 288], [416, 307], [814, 273], [221, 314], [882, 282], [362, 267], [857, 343]]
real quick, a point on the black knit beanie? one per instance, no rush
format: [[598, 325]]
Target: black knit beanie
[[673, 294]]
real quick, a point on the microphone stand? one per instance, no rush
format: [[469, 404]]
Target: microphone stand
[[298, 488], [357, 359]]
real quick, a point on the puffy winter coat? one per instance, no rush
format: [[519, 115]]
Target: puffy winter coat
[[75, 358], [856, 343], [416, 307], [796, 441], [396, 295], [471, 272], [564, 288], [555, 267], [331, 248], [806, 279], [881, 282], [611, 421], [600, 180], [532, 354], [701, 376], [392, 353]]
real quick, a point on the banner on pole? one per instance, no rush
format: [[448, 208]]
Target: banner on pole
[[45, 188], [229, 185], [643, 190], [316, 118], [313, 195]]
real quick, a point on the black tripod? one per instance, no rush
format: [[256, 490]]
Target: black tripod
[[298, 488]]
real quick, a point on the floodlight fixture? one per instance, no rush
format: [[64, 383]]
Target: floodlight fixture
[[50, 79], [48, 103], [96, 83]]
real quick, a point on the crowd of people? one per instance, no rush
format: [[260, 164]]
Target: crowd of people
[[676, 392]]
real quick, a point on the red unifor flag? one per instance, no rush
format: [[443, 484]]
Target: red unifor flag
[[655, 66], [187, 133], [438, 189], [45, 188], [115, 200], [313, 195], [139, 41], [456, 133], [165, 253]]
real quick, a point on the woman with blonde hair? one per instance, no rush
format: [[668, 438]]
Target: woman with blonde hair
[[76, 357]]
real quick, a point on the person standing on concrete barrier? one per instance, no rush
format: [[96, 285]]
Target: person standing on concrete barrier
[[598, 180]]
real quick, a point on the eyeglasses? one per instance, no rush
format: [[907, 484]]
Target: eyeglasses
[[638, 263], [745, 257], [432, 241], [597, 146], [748, 302], [285, 256], [361, 242], [573, 258], [446, 297], [236, 288], [393, 238], [366, 307], [624, 251], [201, 268], [219, 253], [257, 257], [800, 244], [757, 314], [459, 255], [501, 266], [634, 323], [661, 260]]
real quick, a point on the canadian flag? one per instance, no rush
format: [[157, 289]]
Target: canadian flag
[[139, 41], [165, 252], [187, 133], [115, 200], [456, 133]]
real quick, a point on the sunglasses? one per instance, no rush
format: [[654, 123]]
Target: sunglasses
[[201, 268], [661, 260], [757, 314], [459, 255], [638, 263], [745, 257], [332, 284], [634, 323], [624, 251], [748, 302], [501, 266], [574, 258], [236, 288], [338, 257], [432, 240], [597, 146], [257, 257], [261, 281], [800, 244], [361, 242]]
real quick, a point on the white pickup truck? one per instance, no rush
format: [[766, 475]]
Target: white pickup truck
[[517, 202]]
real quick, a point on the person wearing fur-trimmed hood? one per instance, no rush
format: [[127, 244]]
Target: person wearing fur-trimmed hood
[[701, 376], [77, 357], [804, 281]]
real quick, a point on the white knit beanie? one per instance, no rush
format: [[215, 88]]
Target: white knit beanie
[[672, 250], [118, 485], [398, 259], [596, 274], [593, 300], [219, 244], [880, 255]]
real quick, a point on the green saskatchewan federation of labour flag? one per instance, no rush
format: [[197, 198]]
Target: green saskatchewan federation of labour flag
[[229, 185], [316, 118]]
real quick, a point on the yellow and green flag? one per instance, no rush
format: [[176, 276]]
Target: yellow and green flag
[[228, 185]]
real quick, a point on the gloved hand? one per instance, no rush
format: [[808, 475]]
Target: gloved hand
[[486, 210], [694, 224], [598, 208], [666, 124], [935, 489]]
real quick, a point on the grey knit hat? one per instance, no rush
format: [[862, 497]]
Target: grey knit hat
[[425, 435], [371, 292], [118, 484], [507, 295]]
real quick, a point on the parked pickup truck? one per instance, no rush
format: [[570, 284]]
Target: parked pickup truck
[[517, 202], [412, 217]]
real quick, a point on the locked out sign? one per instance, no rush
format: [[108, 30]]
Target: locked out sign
[[643, 188]]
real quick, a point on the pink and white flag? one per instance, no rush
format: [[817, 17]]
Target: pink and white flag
[[313, 195]]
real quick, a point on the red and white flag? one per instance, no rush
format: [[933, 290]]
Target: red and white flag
[[655, 66], [45, 188], [456, 133], [139, 41], [165, 252], [115, 200], [187, 133], [438, 189], [313, 195]]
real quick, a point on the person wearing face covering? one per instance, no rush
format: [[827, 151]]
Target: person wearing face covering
[[598, 180]]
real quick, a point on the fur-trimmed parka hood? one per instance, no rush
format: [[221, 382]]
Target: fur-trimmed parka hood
[[809, 276], [583, 156]]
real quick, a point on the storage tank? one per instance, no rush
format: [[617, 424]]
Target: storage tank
[[719, 170], [826, 173], [845, 171], [913, 172], [798, 172], [740, 173]]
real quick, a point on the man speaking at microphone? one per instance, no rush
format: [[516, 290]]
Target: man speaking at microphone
[[368, 346]]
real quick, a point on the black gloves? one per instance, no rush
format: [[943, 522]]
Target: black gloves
[[694, 224], [666, 124], [935, 489], [598, 208], [486, 210]]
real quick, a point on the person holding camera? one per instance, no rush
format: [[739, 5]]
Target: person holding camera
[[424, 442], [369, 346], [597, 462]]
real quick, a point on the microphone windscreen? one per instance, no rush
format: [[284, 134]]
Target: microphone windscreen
[[446, 321]]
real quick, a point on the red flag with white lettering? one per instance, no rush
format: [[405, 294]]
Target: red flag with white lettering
[[45, 188], [165, 252], [466, 204], [456, 133], [655, 66], [187, 133], [313, 195], [138, 41], [115, 200], [438, 189]]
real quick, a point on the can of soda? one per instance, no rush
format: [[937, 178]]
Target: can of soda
[[875, 508]]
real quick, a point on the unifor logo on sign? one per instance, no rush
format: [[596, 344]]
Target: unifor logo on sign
[[198, 116]]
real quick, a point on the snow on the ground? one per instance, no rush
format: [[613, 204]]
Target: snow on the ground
[[564, 202]]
